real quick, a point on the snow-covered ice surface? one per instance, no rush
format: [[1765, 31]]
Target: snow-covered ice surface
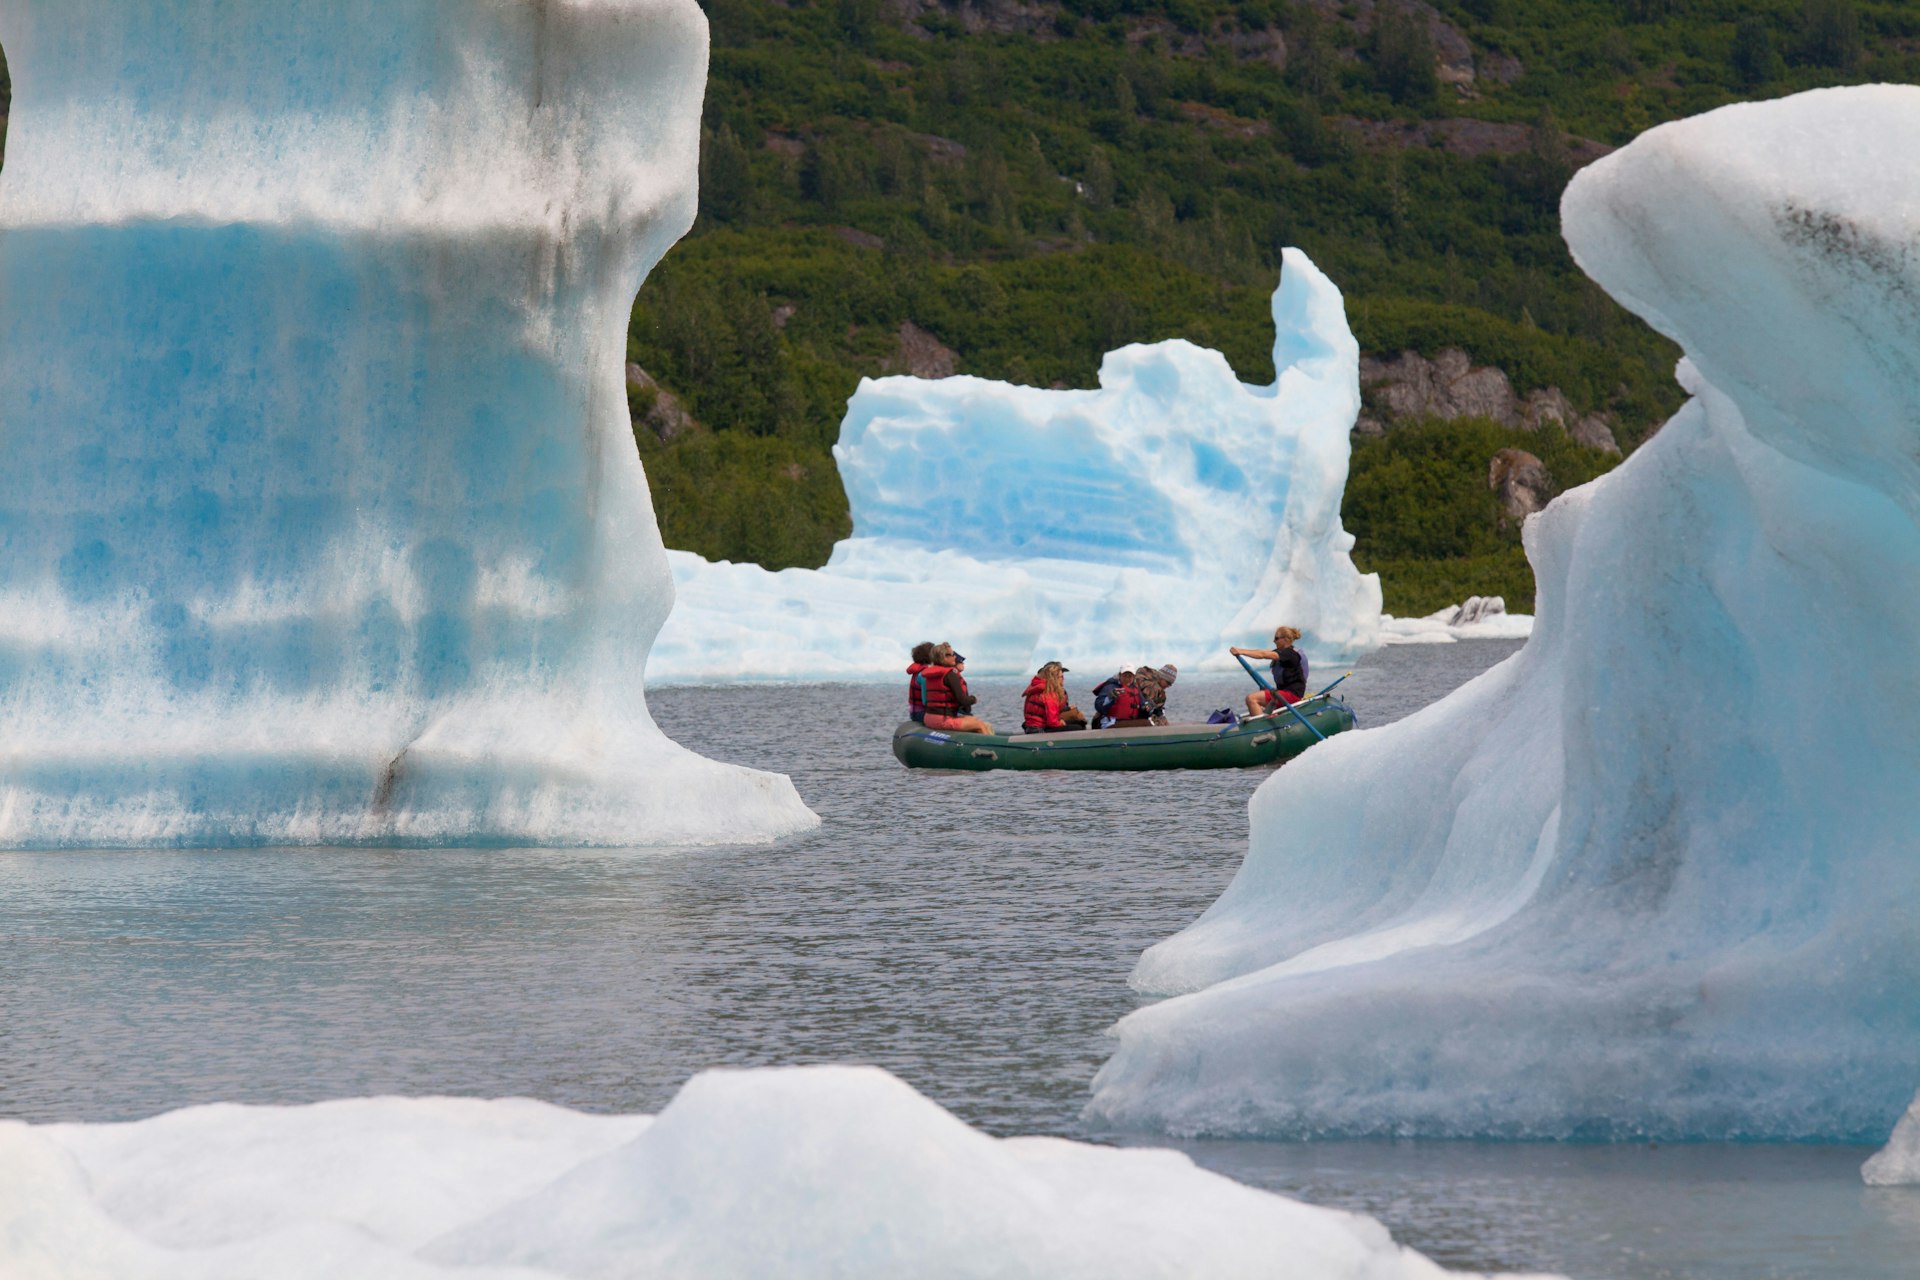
[[1898, 1163], [1658, 874], [1162, 517], [817, 1171], [320, 521]]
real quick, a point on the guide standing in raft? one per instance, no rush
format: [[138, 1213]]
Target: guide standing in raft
[[1289, 667]]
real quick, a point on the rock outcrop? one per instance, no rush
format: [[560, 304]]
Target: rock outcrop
[[655, 407], [921, 354], [1410, 387], [1520, 481]]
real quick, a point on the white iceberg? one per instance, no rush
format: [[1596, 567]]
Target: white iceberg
[[1170, 513], [320, 521], [1658, 873], [793, 1172], [1898, 1163], [1475, 618]]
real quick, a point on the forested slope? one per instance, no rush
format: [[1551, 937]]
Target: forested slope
[[1013, 188]]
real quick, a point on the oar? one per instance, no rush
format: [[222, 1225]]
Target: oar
[[1329, 689], [1261, 681]]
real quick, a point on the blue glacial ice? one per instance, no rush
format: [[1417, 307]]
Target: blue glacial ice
[[1171, 512], [1658, 874], [790, 1172], [319, 516]]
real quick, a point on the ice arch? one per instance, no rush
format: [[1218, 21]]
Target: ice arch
[[1658, 874], [319, 518]]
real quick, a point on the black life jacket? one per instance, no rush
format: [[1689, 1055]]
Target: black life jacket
[[1290, 673]]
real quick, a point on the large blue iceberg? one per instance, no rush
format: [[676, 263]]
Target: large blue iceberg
[[1165, 515], [319, 516], [1657, 875]]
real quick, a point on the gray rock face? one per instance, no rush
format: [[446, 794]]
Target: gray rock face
[[1409, 387], [1520, 481], [1551, 408], [921, 354], [1447, 386], [655, 407], [1595, 432]]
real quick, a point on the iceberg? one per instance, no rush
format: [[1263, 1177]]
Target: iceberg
[[1475, 618], [1657, 874], [320, 521], [1164, 516], [800, 1172], [1898, 1163]]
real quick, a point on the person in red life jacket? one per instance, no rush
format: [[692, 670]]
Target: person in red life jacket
[[1046, 703], [1117, 701], [916, 701], [944, 687], [1289, 667]]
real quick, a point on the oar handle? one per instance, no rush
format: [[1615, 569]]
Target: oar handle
[[1257, 677]]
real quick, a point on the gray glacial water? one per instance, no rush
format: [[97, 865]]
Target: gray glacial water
[[972, 934]]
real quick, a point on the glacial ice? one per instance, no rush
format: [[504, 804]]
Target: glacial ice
[[1898, 1163], [1475, 618], [1658, 874], [793, 1172], [1170, 513], [319, 516]]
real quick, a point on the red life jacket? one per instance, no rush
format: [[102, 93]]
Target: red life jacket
[[916, 701], [1126, 703], [935, 696], [1042, 712]]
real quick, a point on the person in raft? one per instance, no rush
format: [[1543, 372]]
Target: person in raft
[[1289, 667], [1046, 703], [916, 699], [1116, 702], [1152, 682], [943, 691]]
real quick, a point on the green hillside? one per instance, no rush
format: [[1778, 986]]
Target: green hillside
[[1027, 185]]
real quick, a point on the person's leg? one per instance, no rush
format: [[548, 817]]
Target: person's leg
[[1257, 702], [971, 724]]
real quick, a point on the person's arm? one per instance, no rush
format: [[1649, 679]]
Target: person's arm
[[961, 698], [1265, 655]]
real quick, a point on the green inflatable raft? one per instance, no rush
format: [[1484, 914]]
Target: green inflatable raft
[[1259, 741]]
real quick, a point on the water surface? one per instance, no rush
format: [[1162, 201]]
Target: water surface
[[972, 933]]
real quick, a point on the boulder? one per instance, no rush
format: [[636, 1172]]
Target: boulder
[[1520, 481], [921, 354]]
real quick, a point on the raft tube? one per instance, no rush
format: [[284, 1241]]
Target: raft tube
[[1261, 740]]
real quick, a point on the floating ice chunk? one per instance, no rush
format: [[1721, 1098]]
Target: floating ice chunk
[[1898, 1163], [1170, 513], [1656, 874], [320, 521], [821, 1171], [1476, 618]]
